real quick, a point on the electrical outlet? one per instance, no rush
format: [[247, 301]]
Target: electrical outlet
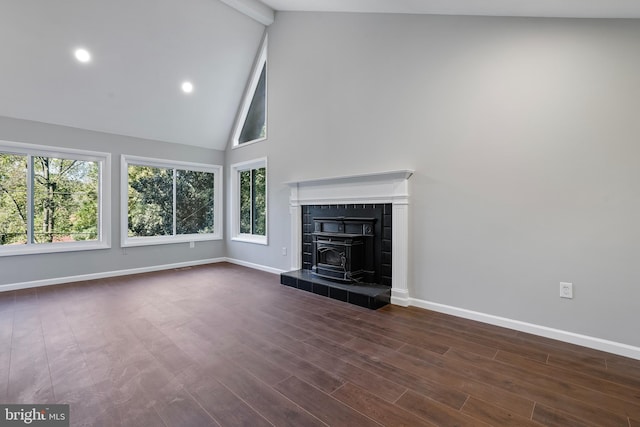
[[566, 290], [284, 251], [192, 245]]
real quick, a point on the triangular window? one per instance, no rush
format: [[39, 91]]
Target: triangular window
[[251, 125]]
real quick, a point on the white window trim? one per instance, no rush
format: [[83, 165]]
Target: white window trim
[[235, 170], [104, 199], [127, 241], [260, 62]]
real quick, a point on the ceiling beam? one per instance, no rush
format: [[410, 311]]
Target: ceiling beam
[[253, 9]]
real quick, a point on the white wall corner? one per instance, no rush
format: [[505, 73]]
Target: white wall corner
[[253, 9], [254, 266]]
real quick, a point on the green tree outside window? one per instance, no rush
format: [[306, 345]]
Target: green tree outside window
[[64, 206], [253, 201]]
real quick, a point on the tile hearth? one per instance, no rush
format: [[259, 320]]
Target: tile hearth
[[365, 295]]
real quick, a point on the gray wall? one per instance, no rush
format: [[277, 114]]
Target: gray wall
[[524, 137], [25, 268]]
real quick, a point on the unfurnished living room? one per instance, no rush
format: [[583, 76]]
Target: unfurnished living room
[[319, 213]]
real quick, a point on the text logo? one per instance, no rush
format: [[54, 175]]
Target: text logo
[[34, 415]]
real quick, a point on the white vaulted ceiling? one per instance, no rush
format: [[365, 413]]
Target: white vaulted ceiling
[[142, 51], [537, 8]]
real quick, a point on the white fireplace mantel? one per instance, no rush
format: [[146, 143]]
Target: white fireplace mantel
[[374, 188]]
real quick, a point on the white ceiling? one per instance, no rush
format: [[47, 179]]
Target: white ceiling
[[142, 51], [542, 8]]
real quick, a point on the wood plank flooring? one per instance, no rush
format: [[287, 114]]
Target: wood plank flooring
[[229, 346]]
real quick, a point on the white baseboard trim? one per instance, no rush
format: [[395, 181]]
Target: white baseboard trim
[[570, 337], [255, 266], [105, 274], [400, 297], [557, 334]]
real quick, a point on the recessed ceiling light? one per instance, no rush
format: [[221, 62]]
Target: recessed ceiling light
[[187, 87], [82, 55]]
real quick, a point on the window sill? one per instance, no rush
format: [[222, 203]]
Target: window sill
[[167, 240], [251, 238], [46, 248], [244, 144]]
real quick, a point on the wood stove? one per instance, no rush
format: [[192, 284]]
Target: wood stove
[[343, 248]]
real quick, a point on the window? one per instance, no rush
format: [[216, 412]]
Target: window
[[52, 199], [251, 125], [169, 202], [249, 201]]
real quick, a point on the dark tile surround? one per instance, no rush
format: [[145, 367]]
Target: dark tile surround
[[369, 295], [382, 238]]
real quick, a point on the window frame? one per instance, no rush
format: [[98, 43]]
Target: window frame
[[235, 170], [128, 241], [247, 97], [104, 198]]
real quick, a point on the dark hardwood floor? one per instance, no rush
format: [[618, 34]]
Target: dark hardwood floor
[[225, 345]]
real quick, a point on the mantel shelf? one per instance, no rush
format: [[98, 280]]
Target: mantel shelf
[[397, 175]]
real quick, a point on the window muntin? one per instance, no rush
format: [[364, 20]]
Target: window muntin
[[249, 204], [170, 202], [52, 199], [251, 124]]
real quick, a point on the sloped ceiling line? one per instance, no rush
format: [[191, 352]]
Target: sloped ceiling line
[[523, 8], [253, 9]]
